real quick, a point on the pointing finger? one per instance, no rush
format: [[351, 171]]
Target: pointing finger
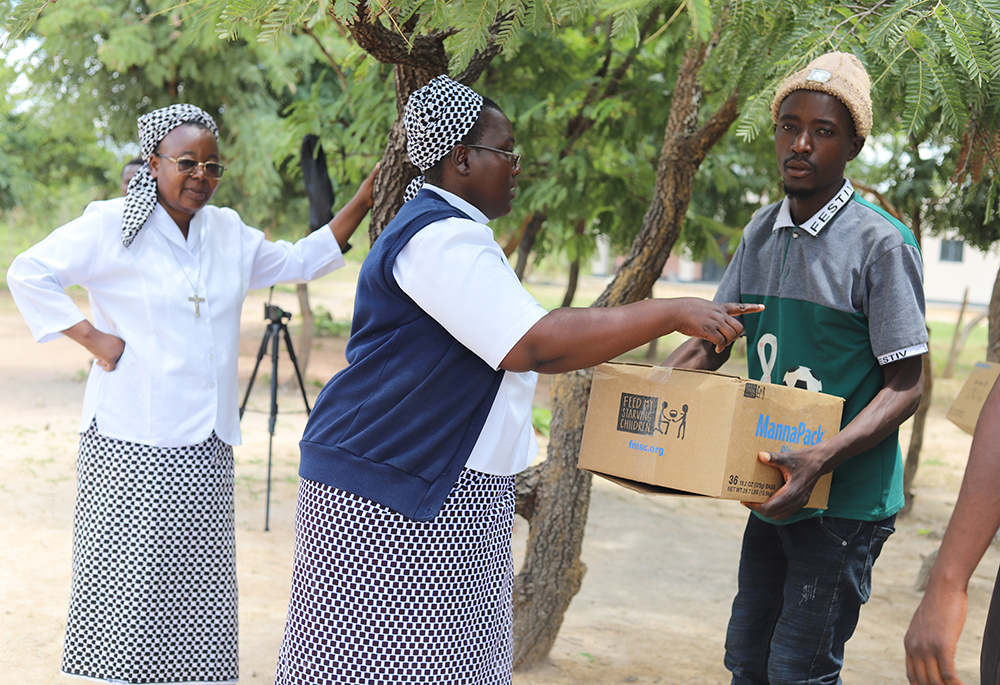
[[740, 308]]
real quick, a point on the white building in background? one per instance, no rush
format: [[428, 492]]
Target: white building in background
[[950, 266]]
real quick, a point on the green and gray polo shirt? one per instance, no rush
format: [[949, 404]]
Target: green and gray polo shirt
[[844, 296]]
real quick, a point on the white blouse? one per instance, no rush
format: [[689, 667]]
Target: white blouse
[[456, 272], [176, 381]]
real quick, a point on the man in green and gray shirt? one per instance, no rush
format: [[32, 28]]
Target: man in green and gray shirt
[[842, 285]]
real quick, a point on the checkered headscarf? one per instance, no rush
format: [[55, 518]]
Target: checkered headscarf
[[437, 117], [140, 198]]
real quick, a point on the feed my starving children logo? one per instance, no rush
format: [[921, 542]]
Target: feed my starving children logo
[[645, 415]]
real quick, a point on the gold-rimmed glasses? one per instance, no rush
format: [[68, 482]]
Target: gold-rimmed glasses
[[186, 165]]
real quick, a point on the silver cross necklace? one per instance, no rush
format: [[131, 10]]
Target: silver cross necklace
[[194, 285]]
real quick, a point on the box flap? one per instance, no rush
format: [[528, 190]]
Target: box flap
[[965, 410], [672, 368], [645, 488]]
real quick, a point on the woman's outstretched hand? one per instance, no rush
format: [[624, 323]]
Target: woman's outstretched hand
[[713, 321]]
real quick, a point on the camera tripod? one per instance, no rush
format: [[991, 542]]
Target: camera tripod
[[278, 319]]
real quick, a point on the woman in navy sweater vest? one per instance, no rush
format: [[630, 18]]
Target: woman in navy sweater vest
[[403, 570]]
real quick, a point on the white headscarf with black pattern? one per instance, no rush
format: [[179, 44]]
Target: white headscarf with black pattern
[[140, 198], [436, 118]]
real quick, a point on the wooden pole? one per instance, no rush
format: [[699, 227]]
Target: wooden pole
[[949, 369]]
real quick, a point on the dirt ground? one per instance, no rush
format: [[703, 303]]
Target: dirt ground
[[661, 571]]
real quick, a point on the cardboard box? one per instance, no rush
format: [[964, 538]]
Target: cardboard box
[[679, 431], [965, 409]]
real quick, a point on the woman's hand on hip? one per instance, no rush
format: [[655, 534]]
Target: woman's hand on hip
[[106, 348]]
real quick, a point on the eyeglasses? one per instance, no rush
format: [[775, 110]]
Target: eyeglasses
[[514, 157], [186, 165]]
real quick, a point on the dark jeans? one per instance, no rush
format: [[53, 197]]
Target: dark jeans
[[801, 587]]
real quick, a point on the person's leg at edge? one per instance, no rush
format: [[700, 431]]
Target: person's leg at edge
[[989, 659], [830, 564], [757, 603]]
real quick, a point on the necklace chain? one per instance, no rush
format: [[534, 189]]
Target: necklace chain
[[194, 286]]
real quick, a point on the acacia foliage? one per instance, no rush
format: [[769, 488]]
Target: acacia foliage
[[935, 69], [63, 161], [98, 66], [504, 22], [935, 62]]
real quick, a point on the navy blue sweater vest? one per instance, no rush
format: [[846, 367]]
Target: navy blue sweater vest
[[399, 423]]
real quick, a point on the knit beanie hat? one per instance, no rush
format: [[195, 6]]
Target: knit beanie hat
[[839, 74]]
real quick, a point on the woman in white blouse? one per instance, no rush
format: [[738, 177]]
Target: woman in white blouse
[[154, 577]]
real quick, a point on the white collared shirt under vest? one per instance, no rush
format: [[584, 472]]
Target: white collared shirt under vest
[[457, 273], [176, 381]]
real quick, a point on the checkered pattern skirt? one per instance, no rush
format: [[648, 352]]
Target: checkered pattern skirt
[[380, 599], [154, 564]]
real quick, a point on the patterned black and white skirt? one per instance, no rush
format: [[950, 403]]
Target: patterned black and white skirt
[[380, 599], [154, 564]]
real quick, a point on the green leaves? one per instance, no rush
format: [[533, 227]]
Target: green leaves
[[962, 36], [98, 66], [700, 16], [127, 45], [929, 58], [943, 52], [590, 150]]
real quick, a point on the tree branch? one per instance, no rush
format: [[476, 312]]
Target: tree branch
[[526, 487], [882, 199], [482, 58], [580, 123], [329, 58], [712, 130], [423, 53], [857, 19]]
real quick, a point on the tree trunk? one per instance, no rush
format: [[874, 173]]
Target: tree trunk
[[574, 269], [993, 346], [514, 241], [394, 174], [920, 416], [396, 170], [574, 277], [949, 367], [556, 510], [532, 229], [416, 60], [304, 345], [555, 496], [917, 434]]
